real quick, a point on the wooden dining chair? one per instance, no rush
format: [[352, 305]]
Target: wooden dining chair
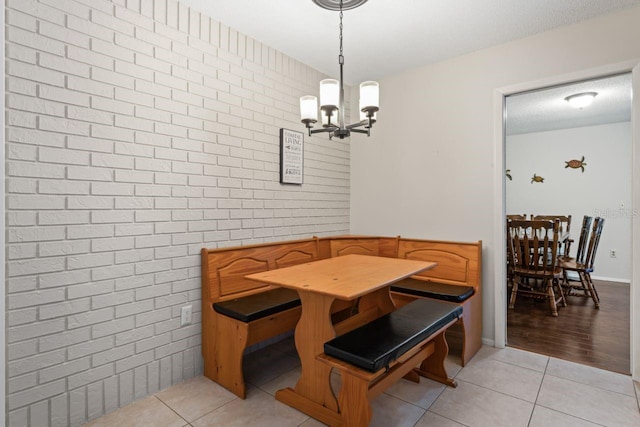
[[583, 237], [577, 271], [533, 252], [516, 216], [563, 230], [510, 276]]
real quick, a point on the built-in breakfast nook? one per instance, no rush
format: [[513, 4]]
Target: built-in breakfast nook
[[320, 212]]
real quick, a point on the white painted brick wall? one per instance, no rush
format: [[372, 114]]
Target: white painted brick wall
[[138, 132]]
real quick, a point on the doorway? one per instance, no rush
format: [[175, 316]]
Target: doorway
[[501, 201], [575, 162]]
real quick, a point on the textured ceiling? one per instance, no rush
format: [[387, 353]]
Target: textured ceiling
[[546, 109], [384, 37]]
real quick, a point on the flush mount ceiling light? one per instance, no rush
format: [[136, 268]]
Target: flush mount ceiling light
[[332, 93], [581, 100]]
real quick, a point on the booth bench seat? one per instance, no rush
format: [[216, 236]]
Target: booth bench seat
[[380, 342], [237, 312], [257, 306], [434, 290], [456, 280], [374, 356]]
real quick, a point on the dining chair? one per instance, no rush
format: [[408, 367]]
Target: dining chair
[[578, 270], [533, 252], [583, 239], [564, 231], [516, 216], [510, 276]]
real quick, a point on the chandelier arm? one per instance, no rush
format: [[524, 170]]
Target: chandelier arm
[[327, 129], [357, 124], [361, 130]]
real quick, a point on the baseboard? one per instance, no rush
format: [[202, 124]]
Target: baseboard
[[487, 341], [611, 279]]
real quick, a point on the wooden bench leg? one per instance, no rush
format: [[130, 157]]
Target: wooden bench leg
[[233, 335], [354, 401], [471, 322], [433, 366]]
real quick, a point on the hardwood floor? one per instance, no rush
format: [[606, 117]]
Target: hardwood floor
[[580, 333]]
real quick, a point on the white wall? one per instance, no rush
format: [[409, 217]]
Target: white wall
[[138, 132], [599, 191], [428, 168]]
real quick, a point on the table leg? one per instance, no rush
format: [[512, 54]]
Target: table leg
[[313, 394], [379, 300]]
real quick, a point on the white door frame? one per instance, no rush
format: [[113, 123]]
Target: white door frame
[[500, 294], [3, 289]]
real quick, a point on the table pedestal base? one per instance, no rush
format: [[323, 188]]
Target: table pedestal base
[[321, 413]]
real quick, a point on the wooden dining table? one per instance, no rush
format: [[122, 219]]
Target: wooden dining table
[[319, 284]]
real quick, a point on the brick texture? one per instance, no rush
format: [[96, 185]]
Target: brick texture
[[137, 133]]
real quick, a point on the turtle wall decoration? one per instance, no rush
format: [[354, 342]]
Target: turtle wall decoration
[[537, 178], [575, 164]]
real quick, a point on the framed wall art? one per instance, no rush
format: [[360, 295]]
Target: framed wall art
[[291, 157]]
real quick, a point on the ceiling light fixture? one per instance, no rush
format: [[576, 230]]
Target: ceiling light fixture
[[332, 93], [581, 100]]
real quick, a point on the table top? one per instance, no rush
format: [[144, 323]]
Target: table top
[[345, 277]]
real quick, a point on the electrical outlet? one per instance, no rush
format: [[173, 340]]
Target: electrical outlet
[[612, 253], [185, 315]]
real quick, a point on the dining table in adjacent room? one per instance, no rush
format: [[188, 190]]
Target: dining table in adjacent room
[[364, 278]]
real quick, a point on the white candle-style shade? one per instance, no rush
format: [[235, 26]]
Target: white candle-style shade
[[329, 92], [369, 95], [309, 108]]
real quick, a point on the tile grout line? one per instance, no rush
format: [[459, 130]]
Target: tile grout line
[[561, 412], [496, 391], [535, 403], [571, 415], [171, 409], [593, 386], [520, 366]]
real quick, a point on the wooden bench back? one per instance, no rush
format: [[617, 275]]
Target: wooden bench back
[[458, 263], [223, 269], [354, 245]]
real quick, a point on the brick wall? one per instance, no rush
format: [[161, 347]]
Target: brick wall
[[138, 131]]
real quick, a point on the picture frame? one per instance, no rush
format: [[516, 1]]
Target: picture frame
[[291, 157]]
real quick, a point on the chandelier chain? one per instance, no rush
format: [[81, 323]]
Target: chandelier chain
[[341, 58]]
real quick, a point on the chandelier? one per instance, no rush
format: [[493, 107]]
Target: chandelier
[[332, 93]]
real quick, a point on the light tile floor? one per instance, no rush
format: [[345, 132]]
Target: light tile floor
[[499, 387]]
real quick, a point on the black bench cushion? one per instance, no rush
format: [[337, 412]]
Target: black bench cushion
[[260, 305], [441, 291], [380, 342]]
